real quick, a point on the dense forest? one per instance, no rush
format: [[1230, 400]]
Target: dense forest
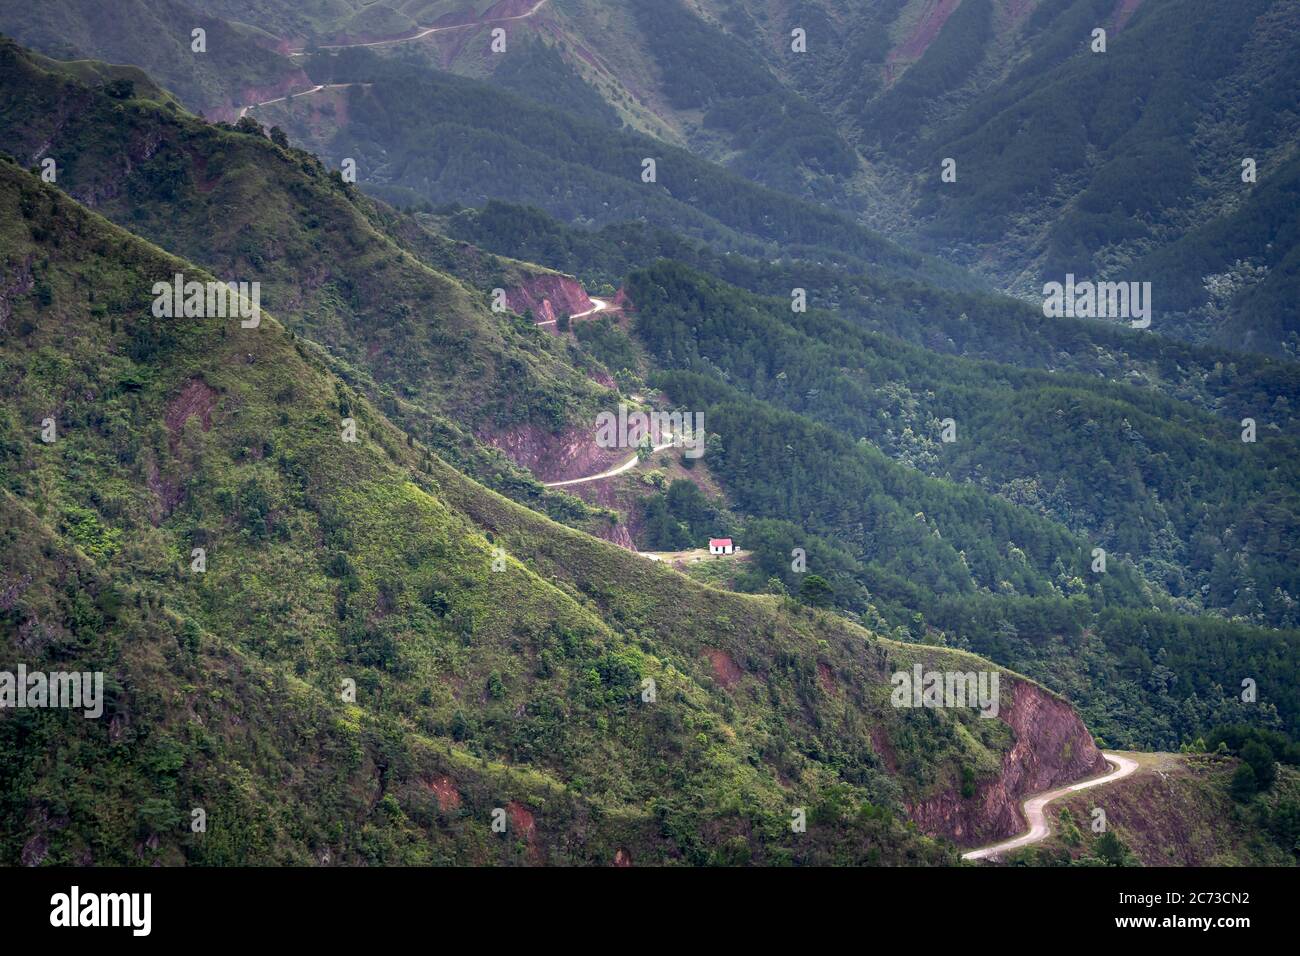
[[972, 324], [822, 436], [1139, 476]]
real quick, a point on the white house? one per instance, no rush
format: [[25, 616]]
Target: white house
[[721, 546]]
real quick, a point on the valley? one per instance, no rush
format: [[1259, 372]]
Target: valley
[[325, 352]]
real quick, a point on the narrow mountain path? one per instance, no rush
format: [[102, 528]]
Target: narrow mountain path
[[427, 31], [415, 36], [626, 466], [290, 96], [1034, 807], [601, 306]]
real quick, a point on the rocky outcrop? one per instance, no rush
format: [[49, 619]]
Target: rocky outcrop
[[572, 454], [1052, 748], [548, 296], [551, 457]]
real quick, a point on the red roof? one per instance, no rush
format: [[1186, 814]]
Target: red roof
[[720, 542]]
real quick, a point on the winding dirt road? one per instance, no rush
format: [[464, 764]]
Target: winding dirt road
[[315, 89], [601, 306], [1034, 807], [414, 36], [427, 31], [626, 466]]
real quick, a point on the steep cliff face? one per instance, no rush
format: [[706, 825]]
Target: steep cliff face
[[1052, 748], [1178, 811], [551, 457], [548, 296]]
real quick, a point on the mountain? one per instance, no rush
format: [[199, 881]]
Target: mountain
[[970, 324], [862, 118], [404, 314], [371, 562], [862, 364], [420, 135], [1069, 159], [363, 576], [417, 133]]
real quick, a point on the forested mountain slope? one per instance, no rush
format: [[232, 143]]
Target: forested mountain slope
[[421, 134], [947, 463], [1070, 158], [1122, 162], [334, 567], [348, 272], [970, 324], [1138, 475]]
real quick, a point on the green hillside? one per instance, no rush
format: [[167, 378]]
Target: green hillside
[[340, 615], [1068, 160], [351, 274], [1115, 463], [371, 561], [829, 431], [1117, 164], [970, 324]]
